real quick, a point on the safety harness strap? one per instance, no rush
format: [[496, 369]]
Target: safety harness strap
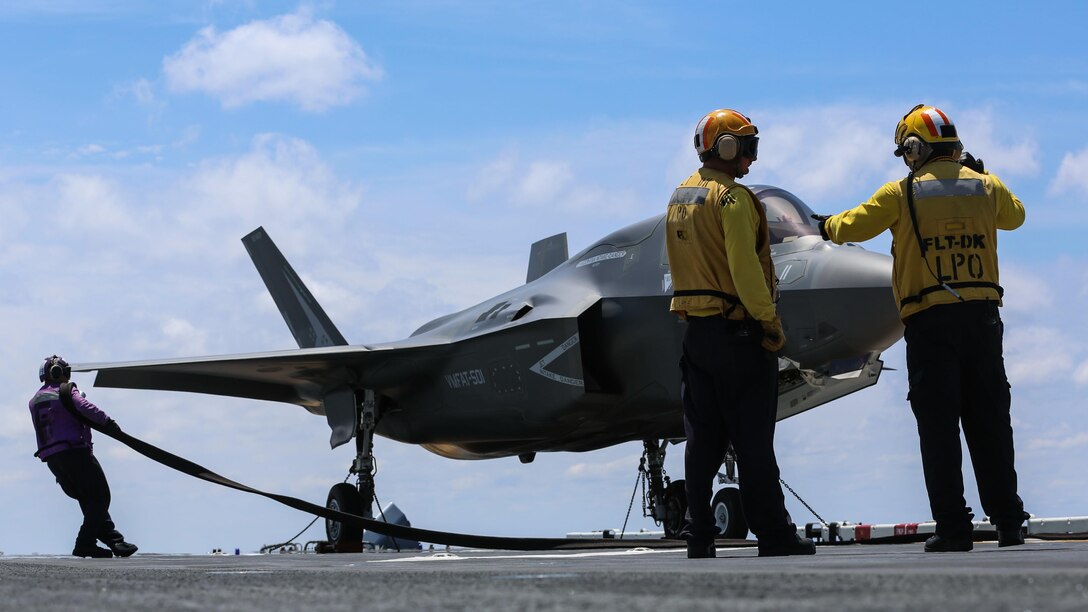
[[729, 297], [917, 297]]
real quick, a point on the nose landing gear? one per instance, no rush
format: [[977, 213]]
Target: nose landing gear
[[666, 501]]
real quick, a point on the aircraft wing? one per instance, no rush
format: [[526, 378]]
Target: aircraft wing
[[321, 380], [303, 377]]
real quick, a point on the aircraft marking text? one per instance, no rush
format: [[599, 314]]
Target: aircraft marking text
[[465, 378], [602, 257], [556, 353]]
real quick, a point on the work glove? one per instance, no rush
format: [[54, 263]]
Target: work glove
[[823, 220], [773, 336], [970, 161], [111, 428]]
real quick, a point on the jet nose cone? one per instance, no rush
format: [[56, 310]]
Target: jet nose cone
[[845, 309]]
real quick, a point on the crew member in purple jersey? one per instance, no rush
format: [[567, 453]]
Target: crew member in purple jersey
[[64, 444]]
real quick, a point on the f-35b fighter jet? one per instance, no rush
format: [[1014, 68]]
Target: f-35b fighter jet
[[582, 356]]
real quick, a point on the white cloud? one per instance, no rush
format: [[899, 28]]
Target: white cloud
[[190, 135], [1072, 176], [143, 92], [1063, 441], [608, 469], [297, 58], [90, 149], [828, 154], [140, 90], [821, 153], [1039, 355], [92, 203], [493, 177], [542, 184], [578, 173], [280, 179], [1080, 375], [184, 337], [544, 181], [533, 184], [1002, 154], [1025, 291]]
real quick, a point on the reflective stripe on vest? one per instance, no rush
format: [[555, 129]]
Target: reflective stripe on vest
[[948, 187]]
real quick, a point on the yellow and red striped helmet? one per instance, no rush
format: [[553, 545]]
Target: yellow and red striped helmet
[[928, 123]]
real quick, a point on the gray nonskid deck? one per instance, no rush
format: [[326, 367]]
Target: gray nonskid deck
[[1036, 576]]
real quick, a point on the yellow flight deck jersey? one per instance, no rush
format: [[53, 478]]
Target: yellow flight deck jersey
[[959, 212], [719, 249]]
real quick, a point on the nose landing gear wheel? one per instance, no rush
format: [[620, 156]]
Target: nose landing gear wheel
[[729, 515], [343, 497]]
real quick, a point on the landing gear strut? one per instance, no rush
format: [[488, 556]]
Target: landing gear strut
[[666, 501], [358, 499]]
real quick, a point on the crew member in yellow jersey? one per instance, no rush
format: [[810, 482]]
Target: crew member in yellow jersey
[[724, 286], [944, 218]]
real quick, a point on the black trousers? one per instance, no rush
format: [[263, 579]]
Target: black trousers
[[731, 395], [957, 375], [81, 477]]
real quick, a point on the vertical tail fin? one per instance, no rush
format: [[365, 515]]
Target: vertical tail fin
[[545, 255], [307, 321]]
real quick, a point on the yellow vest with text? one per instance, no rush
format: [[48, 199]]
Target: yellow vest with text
[[695, 240], [959, 212]]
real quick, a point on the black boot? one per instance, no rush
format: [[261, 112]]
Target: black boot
[[122, 548], [93, 551], [793, 545], [1010, 537], [947, 544], [701, 549]]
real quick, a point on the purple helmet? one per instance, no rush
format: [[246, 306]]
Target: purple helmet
[[54, 369]]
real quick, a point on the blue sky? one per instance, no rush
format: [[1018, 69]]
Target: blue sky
[[405, 154]]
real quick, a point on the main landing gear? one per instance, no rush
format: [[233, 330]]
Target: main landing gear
[[666, 500], [726, 508], [357, 499]]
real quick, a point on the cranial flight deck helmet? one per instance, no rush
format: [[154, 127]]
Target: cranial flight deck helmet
[[726, 134], [923, 131], [54, 369]]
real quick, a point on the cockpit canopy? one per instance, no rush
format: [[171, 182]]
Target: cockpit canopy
[[788, 217]]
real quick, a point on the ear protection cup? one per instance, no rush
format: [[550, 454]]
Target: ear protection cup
[[54, 368], [915, 149], [727, 147]]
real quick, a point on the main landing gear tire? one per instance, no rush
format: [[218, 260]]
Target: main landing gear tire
[[729, 515], [676, 509], [343, 498]]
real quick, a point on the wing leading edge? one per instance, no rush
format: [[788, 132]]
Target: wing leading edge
[[300, 377]]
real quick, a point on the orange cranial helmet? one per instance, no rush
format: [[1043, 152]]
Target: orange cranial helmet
[[727, 134]]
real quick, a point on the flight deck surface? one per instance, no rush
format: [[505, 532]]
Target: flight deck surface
[[1041, 575]]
